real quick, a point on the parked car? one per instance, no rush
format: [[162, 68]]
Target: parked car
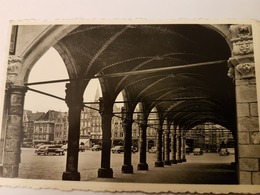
[[134, 149], [117, 149], [197, 151], [223, 152], [38, 145], [49, 149], [153, 149], [65, 147], [82, 148], [96, 148]]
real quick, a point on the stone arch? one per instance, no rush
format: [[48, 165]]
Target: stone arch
[[40, 45], [223, 30]]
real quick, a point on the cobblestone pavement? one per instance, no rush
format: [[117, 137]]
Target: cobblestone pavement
[[209, 168]]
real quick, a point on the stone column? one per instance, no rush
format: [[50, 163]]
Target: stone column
[[127, 127], [242, 70], [159, 162], [167, 146], [12, 132], [173, 147], [178, 145], [183, 141], [4, 124], [106, 111], [74, 100], [142, 146]]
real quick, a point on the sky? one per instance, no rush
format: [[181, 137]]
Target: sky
[[51, 67]]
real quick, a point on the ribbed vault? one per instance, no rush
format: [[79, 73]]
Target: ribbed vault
[[179, 69]]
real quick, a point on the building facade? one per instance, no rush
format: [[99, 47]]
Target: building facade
[[209, 136]]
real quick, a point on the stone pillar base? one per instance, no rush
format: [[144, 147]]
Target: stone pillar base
[[174, 161], [167, 162], [179, 161], [159, 164], [72, 176], [10, 171], [127, 169], [105, 173], [184, 160], [142, 166]]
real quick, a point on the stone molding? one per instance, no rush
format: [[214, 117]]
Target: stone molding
[[243, 47], [246, 70], [241, 64], [14, 58], [241, 31]]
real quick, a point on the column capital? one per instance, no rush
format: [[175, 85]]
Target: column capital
[[105, 107], [74, 96], [15, 64], [17, 88], [241, 64]]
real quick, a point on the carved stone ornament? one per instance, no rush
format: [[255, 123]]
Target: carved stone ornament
[[14, 59], [231, 73], [241, 31], [246, 70], [14, 66], [243, 47], [244, 31]]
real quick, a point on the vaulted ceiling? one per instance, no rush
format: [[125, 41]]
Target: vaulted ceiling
[[179, 69]]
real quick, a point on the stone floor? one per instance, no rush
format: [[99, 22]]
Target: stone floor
[[184, 173]]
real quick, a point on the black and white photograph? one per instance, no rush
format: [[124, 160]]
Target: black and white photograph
[[131, 103]]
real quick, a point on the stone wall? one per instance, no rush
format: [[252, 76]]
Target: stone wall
[[243, 66]]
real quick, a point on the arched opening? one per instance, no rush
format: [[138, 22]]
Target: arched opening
[[152, 122], [45, 116], [90, 123], [212, 139], [117, 138]]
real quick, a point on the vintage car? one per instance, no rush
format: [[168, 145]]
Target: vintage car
[[117, 149], [96, 148], [152, 149], [49, 149], [197, 151], [223, 152]]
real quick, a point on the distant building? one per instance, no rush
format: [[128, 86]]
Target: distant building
[[44, 128], [61, 127], [117, 136], [52, 127], [90, 124], [151, 131], [210, 136], [28, 126]]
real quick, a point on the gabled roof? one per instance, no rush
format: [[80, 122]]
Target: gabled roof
[[36, 116], [51, 115]]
